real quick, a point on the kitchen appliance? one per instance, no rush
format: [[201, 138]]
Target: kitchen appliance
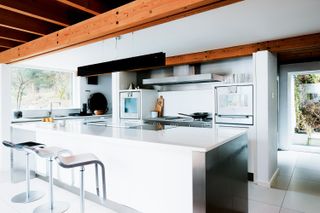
[[234, 104], [184, 74], [128, 64], [137, 104], [197, 115], [129, 125], [180, 121], [198, 78]]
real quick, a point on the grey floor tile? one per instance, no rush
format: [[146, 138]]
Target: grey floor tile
[[284, 210], [305, 186], [266, 195], [281, 182], [307, 174], [259, 207], [301, 202]]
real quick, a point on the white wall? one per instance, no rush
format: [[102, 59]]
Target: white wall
[[285, 117], [230, 66], [266, 118], [187, 101], [5, 115]]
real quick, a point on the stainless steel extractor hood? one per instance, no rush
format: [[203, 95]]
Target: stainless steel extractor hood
[[198, 78], [142, 62]]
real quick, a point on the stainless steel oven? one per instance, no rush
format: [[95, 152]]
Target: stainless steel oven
[[234, 104]]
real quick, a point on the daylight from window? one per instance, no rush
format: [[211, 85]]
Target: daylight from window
[[35, 88], [307, 104]]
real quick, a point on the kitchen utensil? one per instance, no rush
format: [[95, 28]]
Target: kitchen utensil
[[99, 112], [154, 114], [97, 101], [197, 115], [159, 106]]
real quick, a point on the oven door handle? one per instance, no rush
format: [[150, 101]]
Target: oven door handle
[[234, 116]]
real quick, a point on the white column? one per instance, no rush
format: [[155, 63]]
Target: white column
[[266, 73], [5, 115]]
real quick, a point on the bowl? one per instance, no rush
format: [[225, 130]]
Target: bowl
[[99, 112]]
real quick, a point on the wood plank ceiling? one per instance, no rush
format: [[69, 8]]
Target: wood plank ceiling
[[24, 21]]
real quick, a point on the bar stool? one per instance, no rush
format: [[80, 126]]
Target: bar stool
[[82, 160], [50, 153], [27, 196]]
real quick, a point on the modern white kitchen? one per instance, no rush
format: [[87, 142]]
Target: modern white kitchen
[[187, 107]]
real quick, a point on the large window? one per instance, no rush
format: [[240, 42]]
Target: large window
[[35, 88], [306, 104]]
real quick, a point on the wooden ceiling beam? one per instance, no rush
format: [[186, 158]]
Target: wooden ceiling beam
[[3, 49], [44, 10], [94, 7], [24, 23], [15, 35], [298, 56], [8, 43], [276, 46], [109, 24]]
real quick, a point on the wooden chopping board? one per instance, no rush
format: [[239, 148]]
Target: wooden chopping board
[[159, 106]]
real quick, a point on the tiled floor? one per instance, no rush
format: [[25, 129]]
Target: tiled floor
[[296, 189]]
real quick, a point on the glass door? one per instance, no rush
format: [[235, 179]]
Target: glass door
[[305, 106]]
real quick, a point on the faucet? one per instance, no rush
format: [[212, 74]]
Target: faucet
[[51, 103]]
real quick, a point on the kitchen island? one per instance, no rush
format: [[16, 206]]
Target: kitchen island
[[176, 170]]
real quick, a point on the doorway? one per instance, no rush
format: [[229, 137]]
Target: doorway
[[304, 111]]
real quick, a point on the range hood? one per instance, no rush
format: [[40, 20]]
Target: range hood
[[198, 78], [128, 64]]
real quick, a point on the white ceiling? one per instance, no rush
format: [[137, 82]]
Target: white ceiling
[[241, 23]]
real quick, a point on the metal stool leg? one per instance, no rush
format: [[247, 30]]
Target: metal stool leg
[[81, 190], [28, 196], [97, 179], [52, 207], [103, 176]]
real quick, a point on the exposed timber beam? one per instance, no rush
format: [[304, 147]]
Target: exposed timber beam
[[94, 7], [124, 19], [24, 23], [3, 49], [299, 43], [44, 10], [15, 35], [8, 43]]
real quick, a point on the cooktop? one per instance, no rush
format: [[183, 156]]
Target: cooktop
[[154, 127]]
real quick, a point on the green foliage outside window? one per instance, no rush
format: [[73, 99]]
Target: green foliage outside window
[[35, 89], [307, 105]]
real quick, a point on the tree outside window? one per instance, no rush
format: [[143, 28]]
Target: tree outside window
[[307, 103], [35, 88]]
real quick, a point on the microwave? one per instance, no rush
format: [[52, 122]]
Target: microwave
[[137, 104]]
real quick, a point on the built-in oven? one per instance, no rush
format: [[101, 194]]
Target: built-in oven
[[234, 104], [137, 104], [130, 104]]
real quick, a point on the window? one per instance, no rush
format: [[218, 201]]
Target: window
[[35, 88], [307, 102]]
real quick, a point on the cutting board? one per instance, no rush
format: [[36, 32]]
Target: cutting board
[[159, 106]]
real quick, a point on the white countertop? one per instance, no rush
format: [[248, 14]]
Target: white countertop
[[67, 117], [195, 139]]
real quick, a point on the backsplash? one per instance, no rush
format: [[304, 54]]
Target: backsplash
[[187, 101]]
